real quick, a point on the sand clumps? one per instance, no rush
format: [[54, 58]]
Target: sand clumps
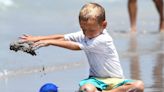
[[23, 46]]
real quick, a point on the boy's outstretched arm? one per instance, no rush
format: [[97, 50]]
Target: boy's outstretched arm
[[26, 38], [60, 43]]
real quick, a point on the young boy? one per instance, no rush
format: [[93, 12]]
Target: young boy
[[105, 70]]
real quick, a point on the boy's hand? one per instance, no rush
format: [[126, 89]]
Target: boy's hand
[[28, 38], [40, 44]]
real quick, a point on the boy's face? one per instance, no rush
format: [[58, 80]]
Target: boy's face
[[91, 28]]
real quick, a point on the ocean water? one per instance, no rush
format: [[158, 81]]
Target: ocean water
[[141, 54]]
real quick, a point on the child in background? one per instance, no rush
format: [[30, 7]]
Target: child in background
[[105, 73]]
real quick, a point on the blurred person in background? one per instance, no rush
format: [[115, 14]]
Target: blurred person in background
[[132, 9]]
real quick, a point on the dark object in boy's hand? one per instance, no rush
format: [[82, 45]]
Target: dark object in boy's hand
[[25, 47]]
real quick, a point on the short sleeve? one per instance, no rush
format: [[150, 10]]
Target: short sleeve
[[76, 37]]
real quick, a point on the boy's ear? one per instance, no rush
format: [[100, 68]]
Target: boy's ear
[[104, 24]]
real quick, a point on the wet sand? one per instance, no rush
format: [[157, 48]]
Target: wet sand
[[141, 54], [143, 59]]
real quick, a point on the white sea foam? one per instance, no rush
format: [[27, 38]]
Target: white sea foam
[[4, 4], [8, 73]]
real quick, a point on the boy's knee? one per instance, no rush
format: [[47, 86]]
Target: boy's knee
[[139, 85], [88, 88]]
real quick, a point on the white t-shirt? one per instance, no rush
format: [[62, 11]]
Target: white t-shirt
[[101, 54]]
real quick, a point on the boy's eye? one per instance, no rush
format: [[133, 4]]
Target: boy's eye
[[89, 30]]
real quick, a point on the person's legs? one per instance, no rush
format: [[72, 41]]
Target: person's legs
[[159, 6], [132, 9], [137, 86]]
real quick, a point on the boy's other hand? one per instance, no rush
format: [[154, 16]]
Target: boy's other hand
[[28, 38]]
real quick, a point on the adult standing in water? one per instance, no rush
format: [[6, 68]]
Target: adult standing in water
[[132, 8]]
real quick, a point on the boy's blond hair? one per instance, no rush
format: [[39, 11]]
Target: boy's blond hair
[[92, 11]]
